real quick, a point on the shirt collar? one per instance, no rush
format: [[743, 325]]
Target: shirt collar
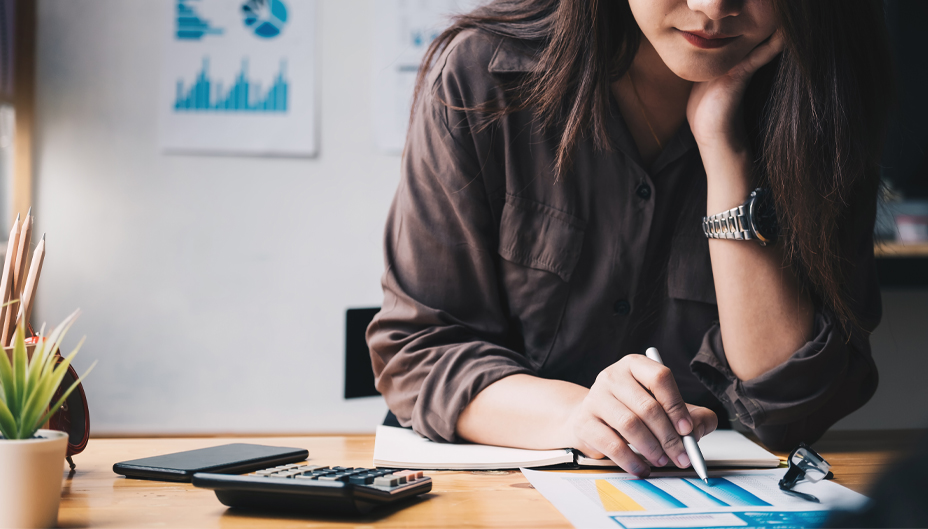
[[680, 143], [518, 57]]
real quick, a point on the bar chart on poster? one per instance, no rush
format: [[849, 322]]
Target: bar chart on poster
[[403, 30], [729, 499], [238, 78], [244, 95]]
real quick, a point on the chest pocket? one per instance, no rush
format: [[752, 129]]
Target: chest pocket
[[689, 269], [540, 247]]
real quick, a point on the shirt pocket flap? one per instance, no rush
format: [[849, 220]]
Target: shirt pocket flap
[[538, 236], [689, 270]]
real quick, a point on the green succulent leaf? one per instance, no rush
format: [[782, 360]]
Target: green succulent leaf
[[6, 379], [7, 423], [27, 385], [52, 409], [19, 377], [43, 394], [36, 364]]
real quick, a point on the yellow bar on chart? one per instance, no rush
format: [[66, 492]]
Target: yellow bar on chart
[[614, 499]]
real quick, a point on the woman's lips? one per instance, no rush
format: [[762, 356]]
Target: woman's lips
[[705, 40]]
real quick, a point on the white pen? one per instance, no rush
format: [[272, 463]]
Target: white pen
[[692, 449]]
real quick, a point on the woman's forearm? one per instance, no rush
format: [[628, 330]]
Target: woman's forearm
[[764, 314], [522, 411]]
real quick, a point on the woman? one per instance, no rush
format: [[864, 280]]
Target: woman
[[561, 159]]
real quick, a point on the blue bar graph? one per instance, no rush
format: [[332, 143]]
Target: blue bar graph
[[244, 96], [189, 24], [661, 499], [728, 492]]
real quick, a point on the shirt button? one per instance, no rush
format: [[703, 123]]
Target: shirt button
[[622, 307], [643, 191]]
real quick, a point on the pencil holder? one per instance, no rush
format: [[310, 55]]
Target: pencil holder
[[73, 417]]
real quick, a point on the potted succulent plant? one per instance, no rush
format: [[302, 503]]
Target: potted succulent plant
[[32, 459]]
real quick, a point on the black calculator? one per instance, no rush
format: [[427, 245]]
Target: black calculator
[[310, 489]]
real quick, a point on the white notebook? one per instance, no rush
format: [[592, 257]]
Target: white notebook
[[403, 448]]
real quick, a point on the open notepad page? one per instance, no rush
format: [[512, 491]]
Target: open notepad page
[[403, 448], [721, 448]]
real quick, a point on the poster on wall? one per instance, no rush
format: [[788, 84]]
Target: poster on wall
[[403, 30], [239, 78]]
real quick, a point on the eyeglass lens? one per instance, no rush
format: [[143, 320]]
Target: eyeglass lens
[[812, 465]]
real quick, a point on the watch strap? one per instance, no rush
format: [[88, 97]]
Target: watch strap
[[730, 224]]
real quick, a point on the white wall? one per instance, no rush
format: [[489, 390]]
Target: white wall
[[214, 288]]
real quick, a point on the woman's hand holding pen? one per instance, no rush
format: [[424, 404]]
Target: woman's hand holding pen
[[635, 402]]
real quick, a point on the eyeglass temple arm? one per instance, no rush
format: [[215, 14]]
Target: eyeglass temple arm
[[793, 475]]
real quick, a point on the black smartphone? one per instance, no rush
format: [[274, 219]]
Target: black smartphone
[[236, 458]]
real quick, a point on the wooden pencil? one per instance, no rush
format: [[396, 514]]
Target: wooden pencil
[[32, 283], [6, 288], [19, 272]]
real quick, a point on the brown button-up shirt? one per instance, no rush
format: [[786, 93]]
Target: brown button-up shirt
[[494, 268]]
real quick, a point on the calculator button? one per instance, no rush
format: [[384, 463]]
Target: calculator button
[[386, 481], [361, 479], [336, 477], [305, 476]]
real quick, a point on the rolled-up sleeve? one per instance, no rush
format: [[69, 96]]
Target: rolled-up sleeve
[[439, 337], [829, 377]]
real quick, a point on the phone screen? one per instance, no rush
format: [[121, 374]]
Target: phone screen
[[227, 459]]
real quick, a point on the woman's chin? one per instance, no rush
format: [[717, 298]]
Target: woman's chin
[[700, 70]]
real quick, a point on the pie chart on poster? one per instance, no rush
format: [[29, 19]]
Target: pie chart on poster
[[266, 18]]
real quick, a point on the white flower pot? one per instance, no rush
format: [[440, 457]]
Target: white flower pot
[[30, 479]]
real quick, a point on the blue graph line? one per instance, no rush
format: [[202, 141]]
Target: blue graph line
[[204, 95], [189, 24], [708, 496], [660, 497], [728, 492]]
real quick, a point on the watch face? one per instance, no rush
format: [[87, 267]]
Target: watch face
[[764, 216]]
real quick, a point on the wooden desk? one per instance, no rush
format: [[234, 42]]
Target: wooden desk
[[96, 497]]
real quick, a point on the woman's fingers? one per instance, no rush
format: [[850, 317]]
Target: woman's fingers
[[605, 440], [759, 56], [656, 435], [636, 402], [705, 419], [631, 427], [658, 379]]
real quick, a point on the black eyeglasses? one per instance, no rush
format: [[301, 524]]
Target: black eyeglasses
[[805, 464]]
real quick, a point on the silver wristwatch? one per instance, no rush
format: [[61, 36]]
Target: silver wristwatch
[[756, 219]]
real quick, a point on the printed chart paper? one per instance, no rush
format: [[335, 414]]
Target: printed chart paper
[[238, 77], [403, 30], [748, 498]]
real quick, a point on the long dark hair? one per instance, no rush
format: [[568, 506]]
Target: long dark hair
[[817, 113]]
